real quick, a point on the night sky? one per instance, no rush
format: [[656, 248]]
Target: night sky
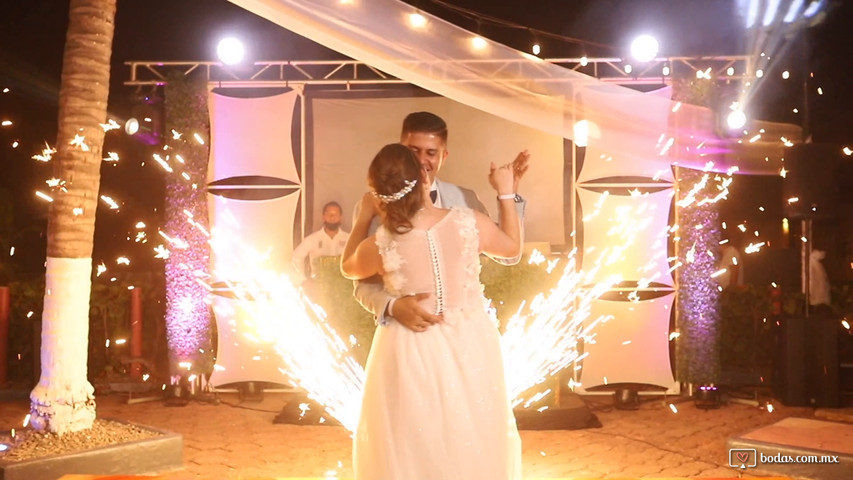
[[32, 36]]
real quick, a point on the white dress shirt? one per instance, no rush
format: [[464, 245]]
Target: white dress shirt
[[318, 244]]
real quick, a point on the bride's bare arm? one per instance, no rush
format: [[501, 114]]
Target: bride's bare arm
[[503, 240], [360, 258], [364, 262]]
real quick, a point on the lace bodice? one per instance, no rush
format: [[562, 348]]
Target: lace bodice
[[442, 260]]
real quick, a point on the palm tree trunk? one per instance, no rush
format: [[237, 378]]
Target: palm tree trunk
[[64, 401]]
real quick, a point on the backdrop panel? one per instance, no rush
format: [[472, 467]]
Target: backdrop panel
[[347, 133], [614, 152], [633, 228], [251, 219], [632, 347], [240, 356], [251, 136], [265, 227]]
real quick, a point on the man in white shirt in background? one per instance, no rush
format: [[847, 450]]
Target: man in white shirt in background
[[329, 241]]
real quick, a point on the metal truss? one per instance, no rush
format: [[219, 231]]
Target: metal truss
[[347, 73]]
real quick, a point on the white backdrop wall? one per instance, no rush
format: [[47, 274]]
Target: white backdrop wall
[[347, 132]]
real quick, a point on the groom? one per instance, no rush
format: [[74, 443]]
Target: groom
[[426, 135]]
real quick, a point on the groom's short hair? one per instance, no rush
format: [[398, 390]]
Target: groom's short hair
[[424, 122]]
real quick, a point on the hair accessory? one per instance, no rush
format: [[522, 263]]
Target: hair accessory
[[410, 184]]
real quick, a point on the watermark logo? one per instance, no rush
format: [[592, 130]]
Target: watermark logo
[[742, 458]]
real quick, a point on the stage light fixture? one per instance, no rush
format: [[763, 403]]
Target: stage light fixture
[[230, 51], [736, 119], [131, 126], [536, 49], [813, 8], [146, 118], [793, 11], [584, 61], [626, 399], [665, 70], [629, 68], [644, 48], [707, 397]]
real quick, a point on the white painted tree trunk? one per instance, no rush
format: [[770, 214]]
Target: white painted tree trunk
[[64, 400]]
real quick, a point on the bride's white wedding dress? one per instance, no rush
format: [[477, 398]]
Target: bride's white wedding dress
[[435, 403]]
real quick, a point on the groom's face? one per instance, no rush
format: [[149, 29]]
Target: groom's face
[[430, 150]]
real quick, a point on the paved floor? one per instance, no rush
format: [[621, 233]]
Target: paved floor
[[234, 440]]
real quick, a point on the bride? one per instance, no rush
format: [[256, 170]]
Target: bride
[[435, 403]]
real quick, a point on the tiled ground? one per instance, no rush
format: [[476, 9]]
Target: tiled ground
[[239, 441]]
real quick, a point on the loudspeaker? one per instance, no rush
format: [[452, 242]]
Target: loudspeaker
[[825, 363], [789, 362], [813, 178], [806, 362]]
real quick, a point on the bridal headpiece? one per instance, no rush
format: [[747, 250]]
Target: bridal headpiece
[[409, 185]]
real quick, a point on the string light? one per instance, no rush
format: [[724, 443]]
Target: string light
[[416, 20]]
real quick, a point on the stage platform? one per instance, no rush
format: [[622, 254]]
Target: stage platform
[[799, 447]]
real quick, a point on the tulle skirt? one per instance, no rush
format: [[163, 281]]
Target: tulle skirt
[[435, 405]]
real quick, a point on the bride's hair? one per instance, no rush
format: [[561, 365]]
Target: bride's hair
[[390, 176]]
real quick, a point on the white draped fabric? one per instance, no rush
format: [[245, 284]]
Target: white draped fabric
[[443, 58], [615, 152]]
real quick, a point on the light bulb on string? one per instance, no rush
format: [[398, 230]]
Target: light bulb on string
[[478, 42], [416, 20]]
